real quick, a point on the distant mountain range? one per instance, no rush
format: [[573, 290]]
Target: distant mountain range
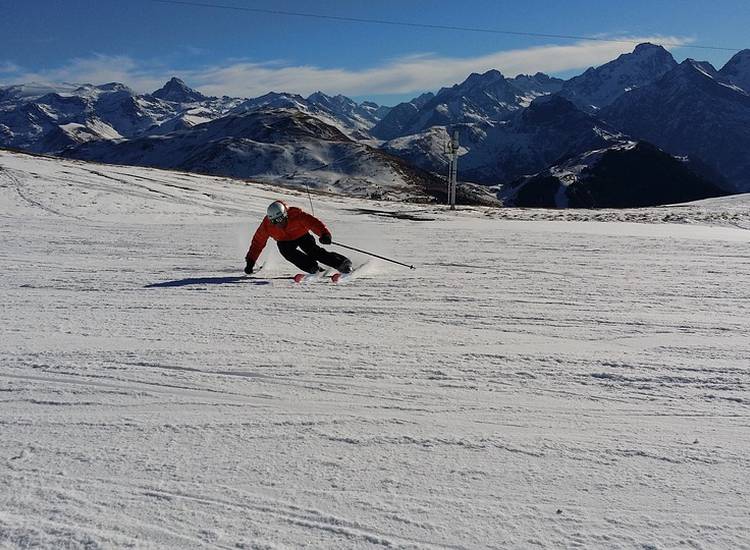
[[517, 134], [485, 98], [688, 110], [530, 140], [693, 111], [598, 87], [278, 145]]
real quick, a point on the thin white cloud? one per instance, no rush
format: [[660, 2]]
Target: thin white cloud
[[9, 68], [412, 73], [407, 74], [96, 69]]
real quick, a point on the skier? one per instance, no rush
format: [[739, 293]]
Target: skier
[[290, 227]]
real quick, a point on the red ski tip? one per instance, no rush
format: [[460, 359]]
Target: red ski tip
[[335, 277], [299, 277]]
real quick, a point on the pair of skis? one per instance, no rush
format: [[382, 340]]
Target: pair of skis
[[302, 278]]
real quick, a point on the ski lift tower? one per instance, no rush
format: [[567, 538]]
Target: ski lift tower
[[452, 170]]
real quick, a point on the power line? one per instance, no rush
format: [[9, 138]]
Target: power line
[[427, 25]]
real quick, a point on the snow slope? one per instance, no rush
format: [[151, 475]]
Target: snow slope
[[533, 383]]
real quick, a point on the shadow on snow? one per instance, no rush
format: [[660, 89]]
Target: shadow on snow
[[210, 281]]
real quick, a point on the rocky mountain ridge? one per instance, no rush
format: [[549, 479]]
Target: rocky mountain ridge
[[509, 128], [279, 145]]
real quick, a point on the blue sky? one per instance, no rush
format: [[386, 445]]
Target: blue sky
[[219, 51]]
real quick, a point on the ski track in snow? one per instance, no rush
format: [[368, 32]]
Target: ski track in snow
[[554, 379]]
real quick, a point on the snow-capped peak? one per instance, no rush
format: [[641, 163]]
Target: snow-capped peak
[[177, 91], [114, 87], [485, 79], [474, 81], [737, 70], [647, 48], [539, 83], [601, 86], [703, 67], [33, 90], [336, 103]]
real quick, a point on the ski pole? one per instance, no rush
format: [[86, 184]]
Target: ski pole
[[371, 254]]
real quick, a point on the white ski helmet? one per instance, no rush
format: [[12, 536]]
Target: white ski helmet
[[276, 212]]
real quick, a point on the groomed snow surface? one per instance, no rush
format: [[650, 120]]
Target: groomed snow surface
[[534, 383]]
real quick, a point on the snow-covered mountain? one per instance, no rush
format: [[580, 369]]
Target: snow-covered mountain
[[481, 98], [687, 110], [600, 86], [691, 111], [65, 116], [176, 91], [360, 117], [509, 127], [44, 118], [737, 70], [531, 140], [353, 119], [271, 100], [32, 90], [275, 145], [536, 85], [398, 119], [623, 175], [488, 96], [536, 137]]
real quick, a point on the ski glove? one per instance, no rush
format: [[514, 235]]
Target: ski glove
[[249, 266], [325, 238]]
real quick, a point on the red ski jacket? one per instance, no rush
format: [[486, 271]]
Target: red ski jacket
[[298, 224]]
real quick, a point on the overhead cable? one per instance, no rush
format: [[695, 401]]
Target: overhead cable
[[428, 25]]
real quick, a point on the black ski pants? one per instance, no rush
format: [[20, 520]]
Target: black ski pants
[[310, 254]]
